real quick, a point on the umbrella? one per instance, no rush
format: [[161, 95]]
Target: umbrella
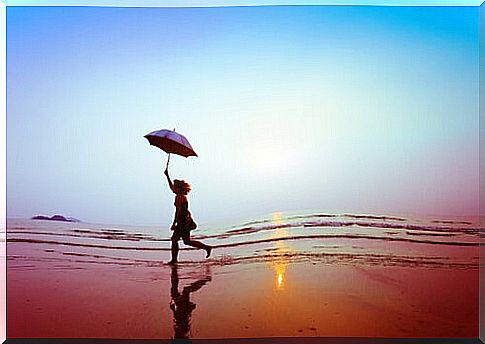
[[170, 142]]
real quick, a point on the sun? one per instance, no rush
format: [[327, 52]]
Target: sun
[[268, 159]]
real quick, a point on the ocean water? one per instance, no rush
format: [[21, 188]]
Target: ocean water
[[316, 238]]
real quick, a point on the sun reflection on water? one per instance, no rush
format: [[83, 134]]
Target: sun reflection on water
[[279, 265], [280, 275], [277, 218]]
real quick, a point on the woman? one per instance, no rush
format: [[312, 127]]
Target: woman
[[182, 219]]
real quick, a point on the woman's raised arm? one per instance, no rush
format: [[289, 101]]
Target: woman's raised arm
[[170, 184]]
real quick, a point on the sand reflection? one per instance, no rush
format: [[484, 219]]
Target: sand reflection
[[181, 305]]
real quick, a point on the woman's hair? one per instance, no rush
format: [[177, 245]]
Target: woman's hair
[[181, 187]]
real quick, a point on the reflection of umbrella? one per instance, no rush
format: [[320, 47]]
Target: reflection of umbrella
[[170, 142]]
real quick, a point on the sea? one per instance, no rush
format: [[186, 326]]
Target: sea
[[314, 237]]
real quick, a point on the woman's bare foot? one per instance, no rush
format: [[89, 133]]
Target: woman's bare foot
[[172, 262], [209, 250]]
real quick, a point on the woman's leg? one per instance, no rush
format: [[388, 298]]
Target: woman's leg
[[194, 243], [175, 248]]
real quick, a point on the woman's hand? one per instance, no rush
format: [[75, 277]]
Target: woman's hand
[[173, 227]]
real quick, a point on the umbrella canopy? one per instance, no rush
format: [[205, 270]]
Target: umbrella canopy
[[171, 142]]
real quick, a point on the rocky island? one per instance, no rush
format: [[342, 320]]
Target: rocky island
[[55, 218]]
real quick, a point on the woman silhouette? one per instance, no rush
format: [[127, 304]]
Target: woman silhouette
[[182, 219]]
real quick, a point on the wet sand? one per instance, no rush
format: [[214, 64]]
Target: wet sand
[[239, 301]]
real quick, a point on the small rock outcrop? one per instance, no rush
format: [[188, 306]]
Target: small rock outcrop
[[55, 218]]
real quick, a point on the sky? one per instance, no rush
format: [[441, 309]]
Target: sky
[[291, 108], [212, 3]]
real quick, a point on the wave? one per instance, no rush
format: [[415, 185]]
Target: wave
[[319, 215], [315, 238], [468, 230], [276, 258], [374, 217], [443, 230], [449, 228], [453, 222], [252, 242], [106, 234]]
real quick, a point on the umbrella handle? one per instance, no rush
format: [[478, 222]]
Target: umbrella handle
[[168, 161]]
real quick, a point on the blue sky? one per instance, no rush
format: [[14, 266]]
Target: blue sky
[[212, 3], [366, 109]]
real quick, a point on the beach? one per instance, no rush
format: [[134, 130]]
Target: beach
[[329, 155], [281, 275]]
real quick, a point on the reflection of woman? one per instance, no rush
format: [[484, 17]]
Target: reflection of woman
[[182, 220], [181, 305]]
